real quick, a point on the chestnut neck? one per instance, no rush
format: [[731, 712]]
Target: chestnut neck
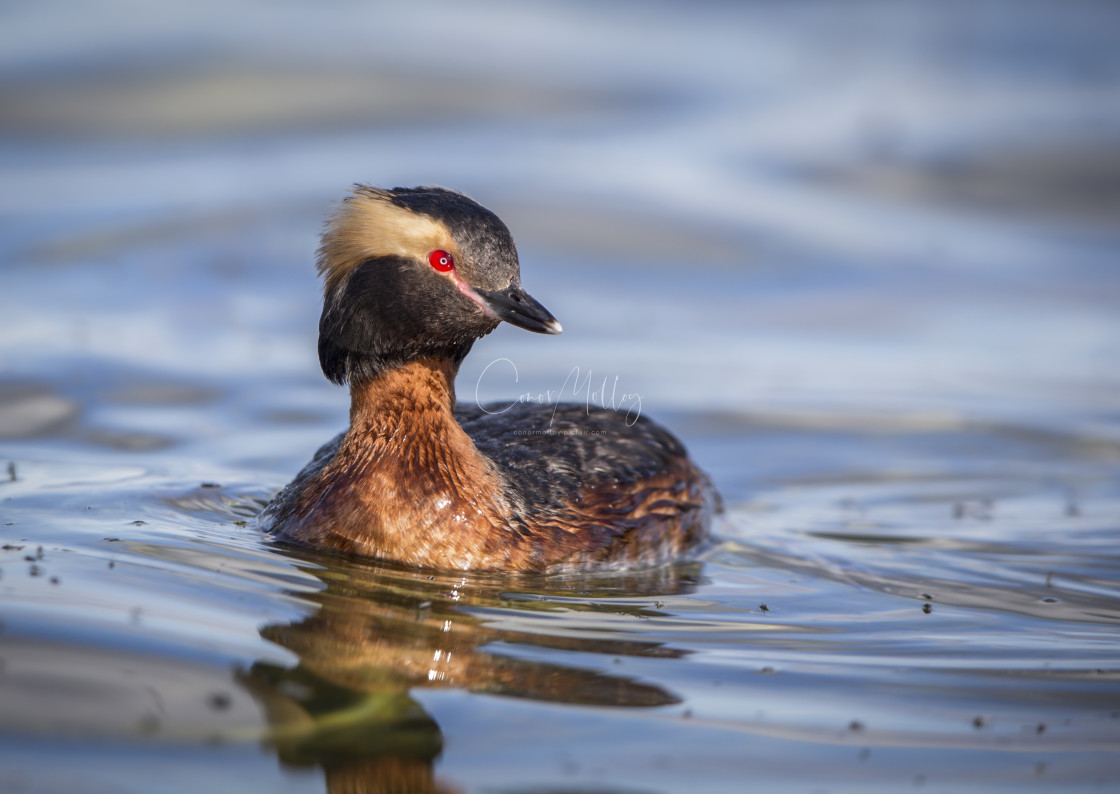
[[382, 403]]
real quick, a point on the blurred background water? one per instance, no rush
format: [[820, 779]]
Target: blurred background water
[[863, 257]]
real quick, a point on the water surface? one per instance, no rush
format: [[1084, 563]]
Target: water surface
[[861, 258]]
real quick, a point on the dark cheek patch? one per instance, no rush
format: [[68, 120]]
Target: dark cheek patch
[[391, 310]]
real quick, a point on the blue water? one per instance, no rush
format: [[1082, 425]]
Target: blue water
[[861, 257]]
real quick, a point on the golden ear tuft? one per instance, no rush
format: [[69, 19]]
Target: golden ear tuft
[[367, 224]]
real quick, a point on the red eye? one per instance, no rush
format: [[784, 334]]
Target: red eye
[[441, 261]]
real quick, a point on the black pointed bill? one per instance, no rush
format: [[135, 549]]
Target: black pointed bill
[[519, 308]]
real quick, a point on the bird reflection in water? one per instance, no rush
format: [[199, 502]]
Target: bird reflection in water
[[380, 631]]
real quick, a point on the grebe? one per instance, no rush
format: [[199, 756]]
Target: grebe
[[411, 278]]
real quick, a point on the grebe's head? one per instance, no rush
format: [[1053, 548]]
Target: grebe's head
[[415, 272]]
